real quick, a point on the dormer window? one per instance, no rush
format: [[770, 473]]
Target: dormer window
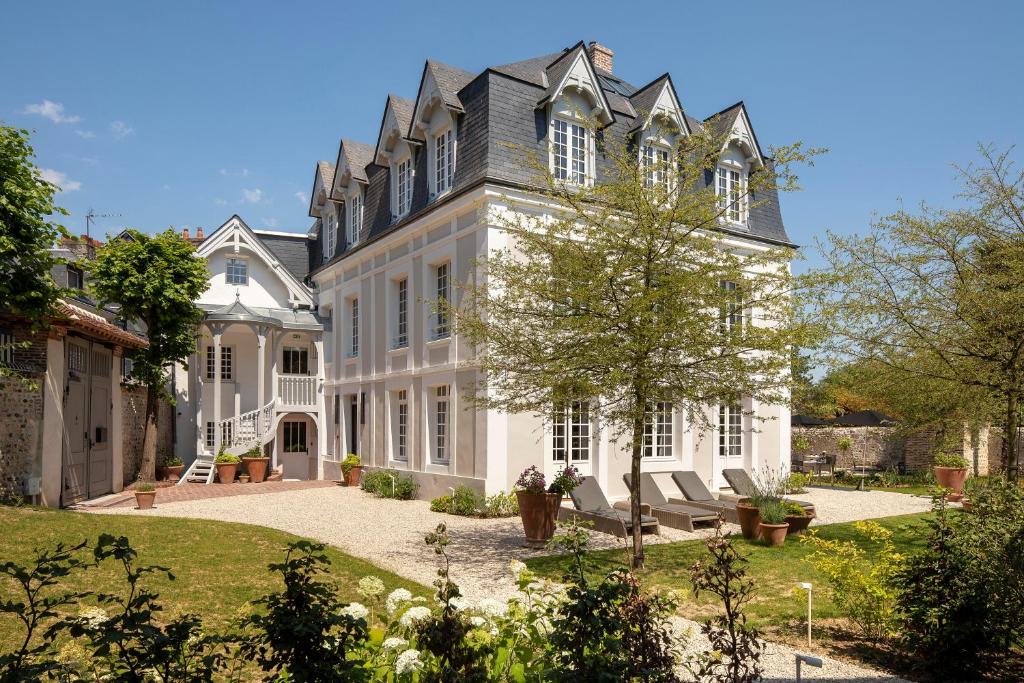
[[403, 187], [355, 218], [655, 160], [570, 149], [443, 161], [330, 234], [731, 190]]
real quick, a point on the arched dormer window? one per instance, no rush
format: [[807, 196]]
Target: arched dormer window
[[731, 185]]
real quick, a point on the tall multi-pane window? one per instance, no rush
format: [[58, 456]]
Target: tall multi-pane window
[[404, 187], [354, 341], [296, 361], [226, 367], [209, 439], [570, 433], [355, 218], [295, 437], [569, 150], [730, 194], [658, 431], [441, 279], [656, 167], [730, 431], [330, 233], [237, 271], [401, 425], [444, 162], [6, 348], [402, 329], [441, 424], [732, 312]]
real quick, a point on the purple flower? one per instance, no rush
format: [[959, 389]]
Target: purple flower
[[531, 480]]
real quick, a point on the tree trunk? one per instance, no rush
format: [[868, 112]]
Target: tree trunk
[[147, 467], [634, 493], [1012, 422]]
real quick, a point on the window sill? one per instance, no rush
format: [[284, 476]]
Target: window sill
[[439, 467], [735, 225], [396, 350], [439, 341]]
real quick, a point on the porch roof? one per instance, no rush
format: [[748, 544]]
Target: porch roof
[[289, 319]]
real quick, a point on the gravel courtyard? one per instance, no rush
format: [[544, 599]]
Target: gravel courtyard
[[390, 534]]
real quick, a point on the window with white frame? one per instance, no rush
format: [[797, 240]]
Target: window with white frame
[[237, 271], [330, 233], [402, 314], [6, 348], [730, 431], [656, 167], [296, 361], [226, 364], [401, 444], [441, 328], [732, 313], [569, 151], [732, 194], [295, 436], [211, 435], [570, 433], [403, 187], [353, 344], [658, 431], [355, 218], [441, 413], [444, 161], [227, 432]]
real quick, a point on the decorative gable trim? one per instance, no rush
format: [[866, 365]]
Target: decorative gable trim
[[740, 132], [665, 104], [575, 70], [428, 99], [394, 126], [323, 179]]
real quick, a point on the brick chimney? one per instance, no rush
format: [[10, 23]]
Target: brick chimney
[[199, 233], [184, 234], [600, 56]]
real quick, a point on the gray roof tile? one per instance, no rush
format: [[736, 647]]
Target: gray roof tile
[[358, 155], [450, 80]]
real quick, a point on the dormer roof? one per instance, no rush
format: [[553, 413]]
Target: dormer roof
[[574, 69], [734, 124], [439, 86], [323, 180], [394, 125], [353, 158], [658, 98]]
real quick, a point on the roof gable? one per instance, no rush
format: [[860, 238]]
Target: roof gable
[[323, 180], [574, 70], [353, 158], [439, 86], [734, 124], [659, 99], [394, 126]]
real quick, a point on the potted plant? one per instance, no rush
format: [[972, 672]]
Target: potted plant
[[537, 507], [773, 526], [950, 472], [256, 464], [766, 488], [170, 467], [565, 481], [797, 517], [351, 469], [145, 494], [227, 465]]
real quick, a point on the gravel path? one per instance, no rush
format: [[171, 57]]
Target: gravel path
[[390, 534]]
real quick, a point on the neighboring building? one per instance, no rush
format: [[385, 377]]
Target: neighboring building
[[400, 220]]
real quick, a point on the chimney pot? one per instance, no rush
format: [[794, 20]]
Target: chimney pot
[[184, 233], [601, 56], [199, 233]]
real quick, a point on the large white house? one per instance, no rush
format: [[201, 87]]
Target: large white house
[[344, 355]]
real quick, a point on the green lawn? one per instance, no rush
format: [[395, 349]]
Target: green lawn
[[919, 490], [218, 566], [776, 571]]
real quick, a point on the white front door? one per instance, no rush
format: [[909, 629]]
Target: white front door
[[572, 439], [728, 443], [295, 444]]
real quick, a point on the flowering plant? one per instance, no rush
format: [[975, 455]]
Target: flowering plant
[[531, 480], [566, 480]]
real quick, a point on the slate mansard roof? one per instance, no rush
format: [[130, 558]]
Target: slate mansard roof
[[499, 115]]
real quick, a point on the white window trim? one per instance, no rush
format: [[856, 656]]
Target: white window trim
[[726, 413], [442, 328], [436, 456], [657, 147], [743, 200], [650, 452], [219, 363], [589, 152], [354, 227], [353, 328], [400, 211], [330, 232], [399, 441], [563, 422], [227, 270], [400, 340]]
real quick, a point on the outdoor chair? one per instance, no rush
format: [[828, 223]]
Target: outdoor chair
[[592, 506], [697, 494], [743, 485], [677, 514]]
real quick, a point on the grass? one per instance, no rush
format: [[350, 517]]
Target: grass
[[218, 566], [913, 490]]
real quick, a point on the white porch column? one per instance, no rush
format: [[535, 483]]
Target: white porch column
[[54, 431], [275, 339], [755, 455], [116, 423], [261, 340], [196, 373], [321, 412], [217, 330]]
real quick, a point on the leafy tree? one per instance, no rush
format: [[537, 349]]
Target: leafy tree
[[623, 294], [156, 281], [934, 299]]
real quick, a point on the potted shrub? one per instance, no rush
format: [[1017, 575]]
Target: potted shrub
[[170, 467], [227, 466], [256, 464], [766, 488], [565, 481], [797, 518], [351, 469], [746, 510], [145, 494], [537, 507], [950, 472], [773, 526]]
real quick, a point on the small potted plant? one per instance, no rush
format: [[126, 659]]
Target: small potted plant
[[773, 526], [565, 481], [797, 517], [170, 467], [950, 472], [255, 464], [227, 466], [537, 507], [145, 494], [351, 469]]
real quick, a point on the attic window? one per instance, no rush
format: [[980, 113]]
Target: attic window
[[570, 145], [403, 187], [355, 217], [237, 271], [731, 189], [444, 161]]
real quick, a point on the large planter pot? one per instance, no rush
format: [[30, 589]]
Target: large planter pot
[[256, 468], [352, 476], [538, 512], [144, 499], [226, 472], [773, 534], [168, 473], [749, 518], [798, 523], [952, 478]]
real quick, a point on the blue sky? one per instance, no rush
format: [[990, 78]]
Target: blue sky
[[185, 113]]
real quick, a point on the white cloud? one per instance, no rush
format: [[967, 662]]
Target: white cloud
[[252, 196], [87, 134], [270, 222], [226, 172], [60, 180], [51, 110], [120, 129], [220, 202], [302, 197]]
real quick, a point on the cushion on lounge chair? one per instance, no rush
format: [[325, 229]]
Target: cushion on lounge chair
[[692, 487], [742, 484], [650, 493], [589, 497]]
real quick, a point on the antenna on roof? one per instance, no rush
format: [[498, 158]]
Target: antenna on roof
[[91, 216]]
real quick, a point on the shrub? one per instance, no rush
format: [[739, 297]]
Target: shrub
[[144, 487], [862, 587], [531, 480], [390, 484], [227, 459], [351, 460], [254, 452], [468, 503], [169, 460], [891, 478], [795, 482], [801, 444], [793, 509], [947, 459], [772, 512], [501, 505]]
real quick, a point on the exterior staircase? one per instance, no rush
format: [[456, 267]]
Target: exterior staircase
[[235, 436]]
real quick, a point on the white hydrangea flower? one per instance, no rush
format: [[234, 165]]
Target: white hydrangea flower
[[356, 611], [492, 608], [408, 662], [517, 568], [414, 615], [370, 587], [459, 604], [95, 616], [394, 642], [477, 621], [396, 598]]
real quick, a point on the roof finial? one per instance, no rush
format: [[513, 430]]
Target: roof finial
[[238, 296]]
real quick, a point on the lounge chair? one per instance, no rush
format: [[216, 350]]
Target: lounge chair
[[697, 494], [591, 506], [743, 485], [675, 514]]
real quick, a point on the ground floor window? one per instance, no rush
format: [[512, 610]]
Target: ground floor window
[[401, 446], [730, 431], [211, 435], [570, 433], [227, 432], [658, 431], [295, 437], [441, 424]]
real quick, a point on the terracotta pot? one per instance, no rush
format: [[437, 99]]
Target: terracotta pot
[[144, 499], [168, 473], [538, 512], [749, 519], [773, 534], [798, 523], [256, 468], [226, 472], [352, 478], [952, 478]]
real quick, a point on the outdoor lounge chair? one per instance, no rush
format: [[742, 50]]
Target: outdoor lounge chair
[[697, 494], [675, 514], [592, 506], [743, 485]]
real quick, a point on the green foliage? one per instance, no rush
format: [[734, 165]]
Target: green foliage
[[227, 459], [891, 478], [947, 459], [801, 444], [390, 484], [169, 459], [793, 509], [351, 460], [844, 443], [862, 587], [466, 502], [772, 512], [795, 482], [254, 452], [567, 479], [145, 487]]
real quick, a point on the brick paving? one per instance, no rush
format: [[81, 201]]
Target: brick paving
[[193, 491]]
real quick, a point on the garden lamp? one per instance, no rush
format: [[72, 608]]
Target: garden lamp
[[808, 660], [807, 586]]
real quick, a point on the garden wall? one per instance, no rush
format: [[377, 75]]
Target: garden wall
[[21, 429], [133, 413]]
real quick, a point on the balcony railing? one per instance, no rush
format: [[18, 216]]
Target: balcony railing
[[297, 390]]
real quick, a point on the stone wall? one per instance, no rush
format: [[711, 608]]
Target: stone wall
[[872, 446], [133, 411], [21, 429]]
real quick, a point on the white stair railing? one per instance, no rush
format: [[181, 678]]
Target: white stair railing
[[297, 390]]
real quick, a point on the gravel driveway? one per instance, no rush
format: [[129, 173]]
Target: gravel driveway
[[390, 534]]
